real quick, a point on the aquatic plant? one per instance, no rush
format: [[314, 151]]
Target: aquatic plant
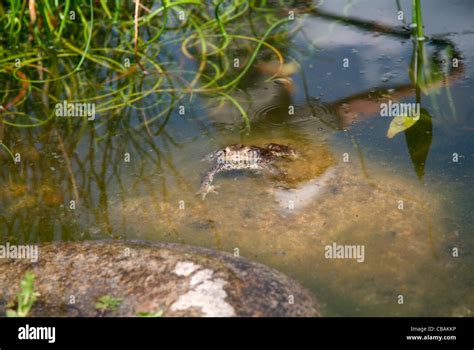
[[25, 298], [50, 49], [417, 21]]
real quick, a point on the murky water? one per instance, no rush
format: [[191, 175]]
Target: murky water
[[406, 200]]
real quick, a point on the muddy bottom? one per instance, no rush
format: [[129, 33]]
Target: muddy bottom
[[407, 255]]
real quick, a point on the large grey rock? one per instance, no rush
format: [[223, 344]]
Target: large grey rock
[[177, 279]]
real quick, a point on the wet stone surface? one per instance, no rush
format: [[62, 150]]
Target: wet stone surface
[[150, 277]]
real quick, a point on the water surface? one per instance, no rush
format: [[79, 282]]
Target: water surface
[[336, 126]]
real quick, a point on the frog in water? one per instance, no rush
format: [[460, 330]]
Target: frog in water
[[240, 157]]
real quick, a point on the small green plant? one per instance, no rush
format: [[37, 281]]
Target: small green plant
[[107, 303], [26, 297], [150, 314]]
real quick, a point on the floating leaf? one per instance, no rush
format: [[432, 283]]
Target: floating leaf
[[401, 123]]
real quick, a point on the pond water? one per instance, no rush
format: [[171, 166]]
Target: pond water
[[134, 170]]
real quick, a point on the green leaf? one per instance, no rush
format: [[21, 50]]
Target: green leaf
[[26, 297], [401, 123]]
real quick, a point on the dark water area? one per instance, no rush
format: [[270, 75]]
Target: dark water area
[[134, 170]]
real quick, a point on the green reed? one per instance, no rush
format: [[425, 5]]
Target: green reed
[[417, 20], [51, 48]]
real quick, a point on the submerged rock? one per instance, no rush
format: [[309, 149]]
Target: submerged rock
[[407, 251], [152, 277]]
